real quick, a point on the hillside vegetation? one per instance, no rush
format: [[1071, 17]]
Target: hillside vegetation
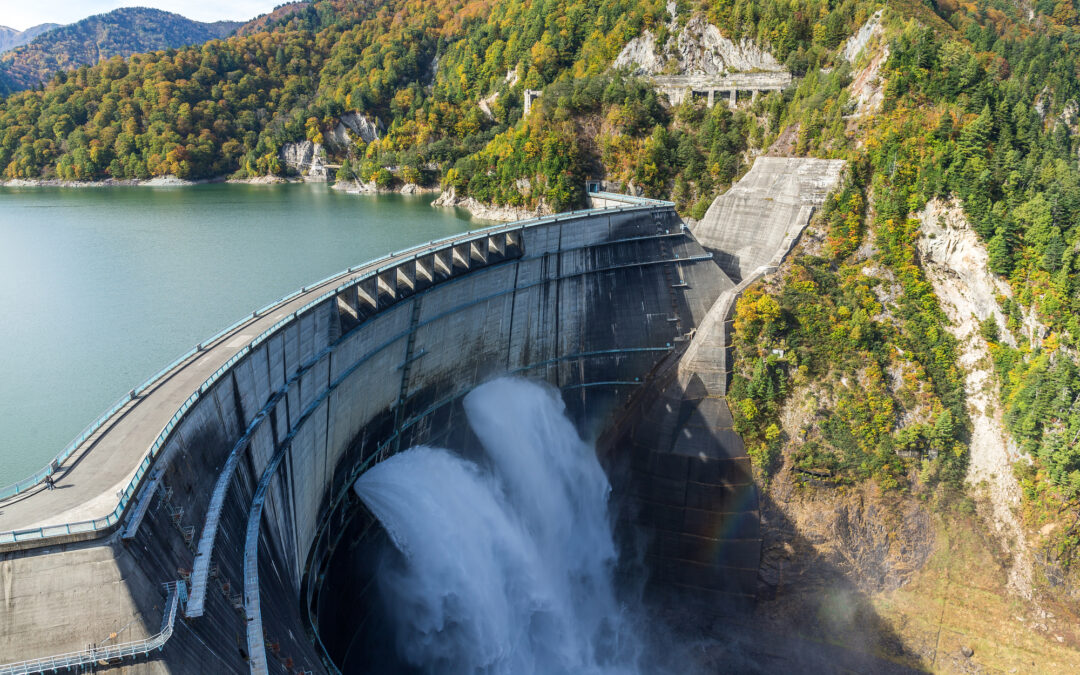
[[122, 32], [979, 103], [420, 67]]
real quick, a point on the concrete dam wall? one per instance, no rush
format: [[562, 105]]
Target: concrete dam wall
[[226, 546], [750, 228], [243, 501]]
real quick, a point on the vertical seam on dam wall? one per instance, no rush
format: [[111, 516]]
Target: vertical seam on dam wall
[[513, 306]]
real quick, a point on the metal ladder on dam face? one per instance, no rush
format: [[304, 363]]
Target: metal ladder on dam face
[[406, 369], [660, 220], [93, 655]]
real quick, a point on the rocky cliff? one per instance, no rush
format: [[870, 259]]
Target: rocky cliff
[[305, 158], [696, 49], [351, 127]]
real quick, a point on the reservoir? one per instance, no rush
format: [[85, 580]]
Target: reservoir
[[100, 288]]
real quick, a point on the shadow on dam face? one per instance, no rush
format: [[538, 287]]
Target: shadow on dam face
[[692, 528], [696, 606]]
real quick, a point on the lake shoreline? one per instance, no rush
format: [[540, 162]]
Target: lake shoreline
[[503, 213], [446, 198], [157, 181]]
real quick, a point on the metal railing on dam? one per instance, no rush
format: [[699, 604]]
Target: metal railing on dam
[[372, 281], [176, 593]]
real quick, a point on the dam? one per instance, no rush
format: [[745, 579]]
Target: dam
[[206, 523]]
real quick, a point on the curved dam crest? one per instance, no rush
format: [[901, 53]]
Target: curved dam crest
[[248, 501]]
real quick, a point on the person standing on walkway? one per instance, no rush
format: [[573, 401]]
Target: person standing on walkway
[[49, 482]]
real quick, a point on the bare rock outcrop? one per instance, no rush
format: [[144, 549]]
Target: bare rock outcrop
[[956, 265], [449, 197], [697, 49], [485, 103], [305, 158], [867, 51], [351, 126], [857, 42], [877, 541]]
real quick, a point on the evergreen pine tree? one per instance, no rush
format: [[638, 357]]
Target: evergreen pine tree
[[1055, 248], [975, 136], [1000, 259]]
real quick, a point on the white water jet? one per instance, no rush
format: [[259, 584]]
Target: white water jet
[[507, 568]]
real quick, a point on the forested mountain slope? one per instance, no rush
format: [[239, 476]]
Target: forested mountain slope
[[122, 32], [11, 38], [273, 19], [974, 102]]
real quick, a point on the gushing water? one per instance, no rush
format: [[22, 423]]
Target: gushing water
[[505, 567]]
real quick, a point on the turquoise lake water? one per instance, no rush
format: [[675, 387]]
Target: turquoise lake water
[[100, 288]]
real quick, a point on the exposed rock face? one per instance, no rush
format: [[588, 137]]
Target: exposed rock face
[[306, 158], [485, 103], [696, 49], [857, 42], [260, 180], [956, 264], [352, 125], [449, 197], [950, 247], [866, 86], [639, 55], [356, 187], [876, 540], [371, 187], [167, 181]]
